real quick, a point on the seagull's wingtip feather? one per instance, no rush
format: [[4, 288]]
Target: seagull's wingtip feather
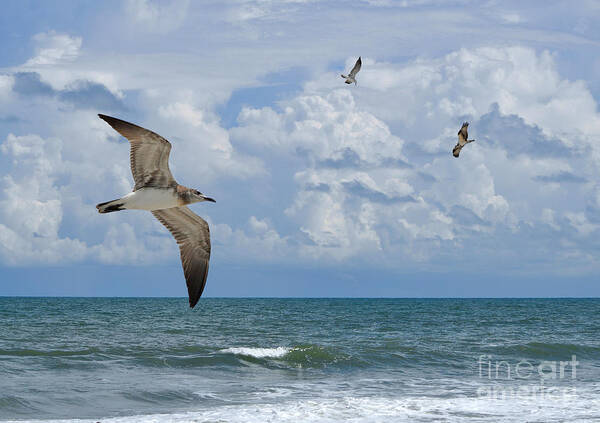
[[106, 118]]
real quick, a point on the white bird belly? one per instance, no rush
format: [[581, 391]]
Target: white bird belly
[[151, 199]]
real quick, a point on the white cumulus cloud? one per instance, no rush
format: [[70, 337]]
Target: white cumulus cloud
[[53, 48]]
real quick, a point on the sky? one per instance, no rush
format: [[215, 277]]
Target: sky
[[322, 188]]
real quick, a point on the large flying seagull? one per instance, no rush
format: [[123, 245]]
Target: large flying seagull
[[157, 191]]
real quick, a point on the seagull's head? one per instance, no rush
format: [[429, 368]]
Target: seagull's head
[[197, 196]]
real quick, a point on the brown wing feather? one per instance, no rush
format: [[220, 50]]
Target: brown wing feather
[[149, 155], [193, 237], [462, 136]]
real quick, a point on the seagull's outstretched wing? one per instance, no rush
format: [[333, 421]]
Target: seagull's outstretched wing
[[149, 155], [193, 236], [356, 68], [463, 134], [456, 150]]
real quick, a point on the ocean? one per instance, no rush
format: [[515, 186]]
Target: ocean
[[299, 360]]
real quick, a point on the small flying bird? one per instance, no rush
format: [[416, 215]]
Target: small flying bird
[[462, 139], [157, 191], [351, 77]]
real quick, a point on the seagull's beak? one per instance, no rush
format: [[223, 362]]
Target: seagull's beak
[[209, 199]]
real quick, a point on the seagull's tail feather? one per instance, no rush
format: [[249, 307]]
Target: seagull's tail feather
[[110, 206]]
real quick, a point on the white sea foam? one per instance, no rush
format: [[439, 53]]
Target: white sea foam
[[377, 409], [277, 352]]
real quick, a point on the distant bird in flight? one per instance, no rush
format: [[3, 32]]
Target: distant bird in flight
[[462, 139], [351, 77], [157, 191]]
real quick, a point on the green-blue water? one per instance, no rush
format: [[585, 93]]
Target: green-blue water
[[124, 360]]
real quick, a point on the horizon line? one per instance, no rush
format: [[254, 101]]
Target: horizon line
[[297, 297]]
